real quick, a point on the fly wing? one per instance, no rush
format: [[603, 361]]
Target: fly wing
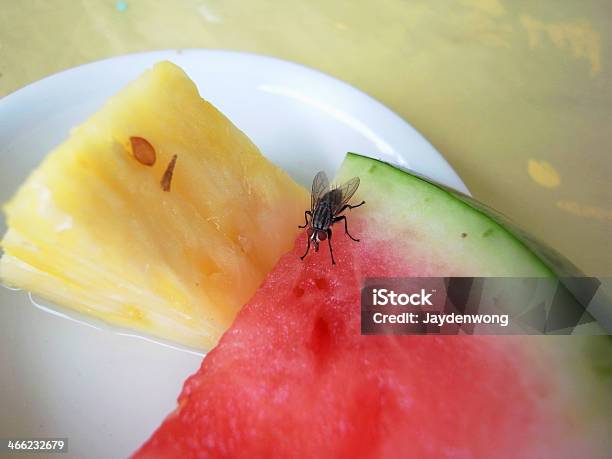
[[320, 186], [347, 191]]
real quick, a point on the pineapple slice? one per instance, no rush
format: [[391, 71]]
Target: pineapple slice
[[103, 226]]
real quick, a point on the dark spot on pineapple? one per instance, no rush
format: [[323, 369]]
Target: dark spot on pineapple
[[463, 235], [298, 291], [166, 180], [488, 232], [372, 168], [143, 151], [321, 284], [321, 340], [209, 268]]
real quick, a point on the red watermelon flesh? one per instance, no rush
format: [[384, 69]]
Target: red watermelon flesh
[[293, 376]]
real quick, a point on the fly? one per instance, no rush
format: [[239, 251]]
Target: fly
[[326, 207]]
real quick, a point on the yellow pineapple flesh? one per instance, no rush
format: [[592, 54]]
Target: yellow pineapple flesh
[[99, 229]]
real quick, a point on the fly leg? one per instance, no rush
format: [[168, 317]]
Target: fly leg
[[348, 206], [331, 251], [307, 249], [306, 214], [342, 217]]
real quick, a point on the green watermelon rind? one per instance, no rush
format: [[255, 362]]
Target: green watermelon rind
[[383, 180]]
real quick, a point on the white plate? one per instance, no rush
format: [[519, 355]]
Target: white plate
[[107, 392]]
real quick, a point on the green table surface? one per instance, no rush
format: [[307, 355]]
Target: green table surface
[[517, 95]]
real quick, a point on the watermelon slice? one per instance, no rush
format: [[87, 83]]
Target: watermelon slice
[[293, 376]]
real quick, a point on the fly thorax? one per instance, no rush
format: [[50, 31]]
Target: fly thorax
[[322, 216]]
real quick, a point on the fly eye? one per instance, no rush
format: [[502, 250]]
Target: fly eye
[[309, 231], [322, 235]]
